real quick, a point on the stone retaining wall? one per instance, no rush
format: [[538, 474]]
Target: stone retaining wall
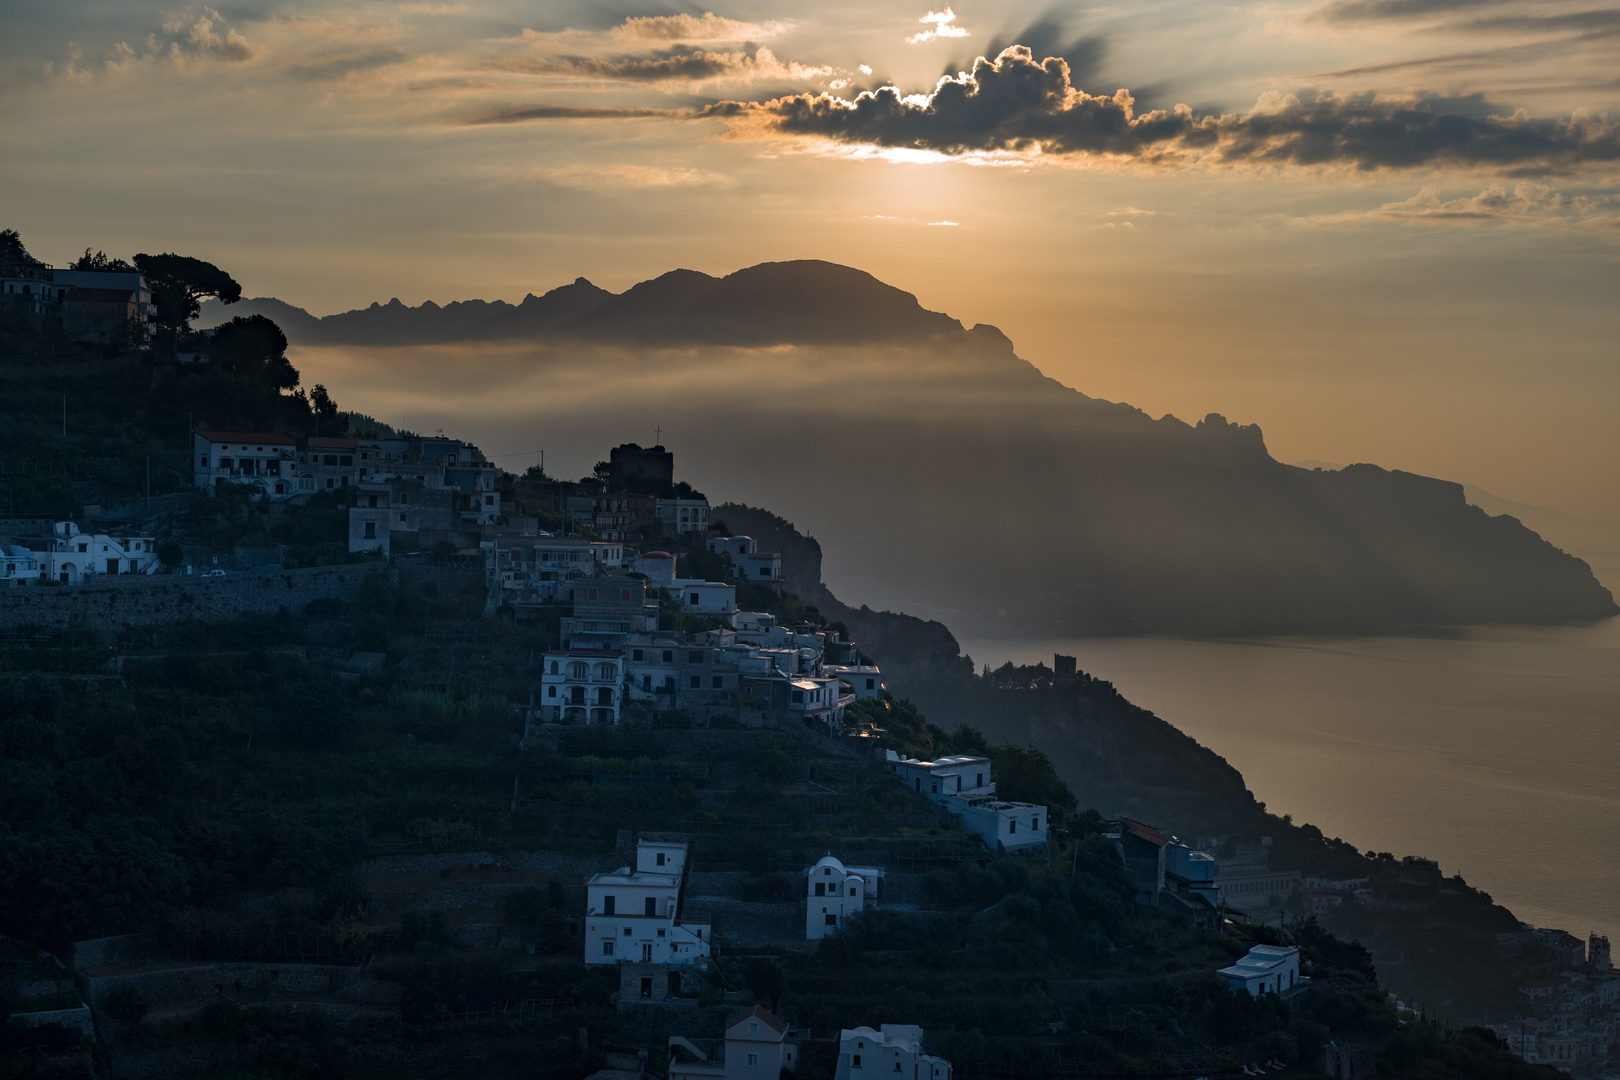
[[110, 603], [77, 1020]]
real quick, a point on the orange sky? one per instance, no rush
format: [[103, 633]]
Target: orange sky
[[1421, 302]]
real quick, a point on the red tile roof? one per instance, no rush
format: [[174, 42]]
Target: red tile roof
[[246, 437], [762, 1013], [1145, 832]]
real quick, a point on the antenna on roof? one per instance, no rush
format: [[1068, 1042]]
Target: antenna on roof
[[658, 436]]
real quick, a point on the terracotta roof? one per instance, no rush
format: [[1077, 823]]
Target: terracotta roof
[[1145, 832], [762, 1013], [246, 437], [334, 444]]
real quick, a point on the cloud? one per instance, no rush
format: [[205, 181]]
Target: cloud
[[705, 27], [944, 26], [522, 113], [595, 177], [696, 66], [1016, 104], [1523, 204], [1369, 10]]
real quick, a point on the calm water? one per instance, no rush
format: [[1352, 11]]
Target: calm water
[[1495, 751]]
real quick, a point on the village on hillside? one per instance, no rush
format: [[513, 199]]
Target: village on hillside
[[678, 674]]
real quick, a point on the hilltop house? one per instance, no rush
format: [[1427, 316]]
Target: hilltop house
[[262, 460], [607, 610], [893, 1050], [634, 914], [705, 597], [21, 566], [963, 786], [327, 464], [72, 556], [1267, 969], [755, 1048], [679, 516], [864, 680], [582, 686], [834, 892], [748, 563]]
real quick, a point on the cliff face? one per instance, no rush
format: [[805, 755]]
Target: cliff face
[[956, 481]]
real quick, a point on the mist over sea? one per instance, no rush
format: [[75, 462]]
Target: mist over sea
[[1494, 750]]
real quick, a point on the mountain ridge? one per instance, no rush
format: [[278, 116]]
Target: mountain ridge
[[968, 486]]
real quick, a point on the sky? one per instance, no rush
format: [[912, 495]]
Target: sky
[[1384, 230]]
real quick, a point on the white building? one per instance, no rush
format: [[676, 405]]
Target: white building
[[584, 686], [833, 892], [21, 566], [633, 915], [678, 516], [370, 517], [893, 1050], [818, 698], [75, 556], [262, 460], [963, 785], [865, 680], [755, 1048], [658, 567], [1267, 969], [327, 464], [705, 597], [748, 563]]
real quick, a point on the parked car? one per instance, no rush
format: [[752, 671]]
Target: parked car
[[213, 573]]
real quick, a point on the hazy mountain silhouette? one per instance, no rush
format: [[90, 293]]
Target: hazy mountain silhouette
[[950, 478]]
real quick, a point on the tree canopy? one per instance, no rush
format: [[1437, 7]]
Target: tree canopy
[[179, 284], [99, 260], [13, 256], [254, 346]]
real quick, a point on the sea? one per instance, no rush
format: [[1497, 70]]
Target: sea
[[1495, 750]]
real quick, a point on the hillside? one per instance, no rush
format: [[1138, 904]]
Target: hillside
[[950, 476]]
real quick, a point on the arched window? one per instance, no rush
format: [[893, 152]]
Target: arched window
[[551, 691], [554, 667]]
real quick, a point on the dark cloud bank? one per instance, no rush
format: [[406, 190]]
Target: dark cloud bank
[[1016, 103], [944, 475]]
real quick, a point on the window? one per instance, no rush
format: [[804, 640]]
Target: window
[[855, 1061], [346, 459], [1035, 823], [798, 697], [624, 594], [649, 907], [660, 858], [697, 682], [852, 890], [871, 684], [694, 657], [607, 947], [373, 501], [753, 1029], [551, 691], [753, 1059], [371, 530], [669, 656], [897, 1063], [590, 594], [646, 683], [1012, 825], [646, 952], [330, 482], [330, 459], [719, 682], [693, 600], [627, 931], [669, 683], [401, 517], [979, 782], [635, 654], [608, 904], [204, 463], [821, 888], [832, 919], [554, 667]]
